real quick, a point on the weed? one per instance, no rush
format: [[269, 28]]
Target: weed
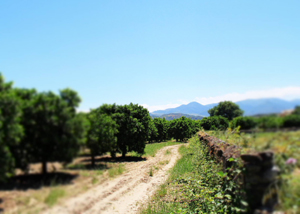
[[112, 172], [156, 167], [151, 172], [168, 152], [53, 196], [94, 180], [164, 162], [195, 186]]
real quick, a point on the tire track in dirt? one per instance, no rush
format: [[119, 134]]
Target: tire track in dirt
[[127, 192]]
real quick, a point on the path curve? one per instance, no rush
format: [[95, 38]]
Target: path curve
[[127, 192]]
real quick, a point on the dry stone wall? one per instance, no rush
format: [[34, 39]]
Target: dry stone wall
[[260, 175]]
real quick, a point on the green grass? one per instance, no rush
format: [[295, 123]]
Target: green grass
[[152, 148], [53, 196], [151, 172], [168, 152], [114, 171], [194, 186]]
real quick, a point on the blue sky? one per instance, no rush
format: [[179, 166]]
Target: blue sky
[[156, 53]]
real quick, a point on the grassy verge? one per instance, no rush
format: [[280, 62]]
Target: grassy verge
[[196, 185], [152, 148], [54, 195]]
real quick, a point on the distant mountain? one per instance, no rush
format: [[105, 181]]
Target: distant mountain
[[192, 108], [173, 116], [250, 107]]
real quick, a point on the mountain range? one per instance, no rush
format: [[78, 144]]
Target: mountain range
[[173, 116], [250, 107]]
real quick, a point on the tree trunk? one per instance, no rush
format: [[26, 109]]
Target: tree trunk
[[93, 160], [113, 154], [123, 154], [44, 167]]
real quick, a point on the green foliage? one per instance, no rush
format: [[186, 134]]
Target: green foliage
[[198, 185], [152, 132], [285, 145], [181, 128], [133, 123], [243, 122], [269, 122], [53, 131], [291, 121], [214, 123], [151, 149], [53, 196], [10, 129], [226, 109], [114, 171], [102, 132], [162, 126]]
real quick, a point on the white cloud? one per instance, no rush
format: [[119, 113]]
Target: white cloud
[[286, 93], [283, 93]]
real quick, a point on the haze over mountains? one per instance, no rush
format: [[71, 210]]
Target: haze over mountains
[[250, 107]]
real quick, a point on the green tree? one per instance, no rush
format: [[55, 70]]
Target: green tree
[[214, 123], [291, 121], [101, 136], [181, 128], [53, 131], [11, 131], [269, 122], [162, 126], [21, 152], [243, 122], [226, 109], [133, 126], [152, 132]]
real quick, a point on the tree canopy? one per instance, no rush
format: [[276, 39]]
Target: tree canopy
[[226, 109], [11, 131], [101, 136]]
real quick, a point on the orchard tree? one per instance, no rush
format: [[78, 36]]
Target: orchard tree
[[181, 128], [53, 130], [291, 121], [244, 123], [214, 123], [21, 152], [162, 126], [133, 123], [226, 109], [11, 131], [152, 132], [101, 137]]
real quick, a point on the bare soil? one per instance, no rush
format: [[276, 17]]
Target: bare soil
[[125, 193]]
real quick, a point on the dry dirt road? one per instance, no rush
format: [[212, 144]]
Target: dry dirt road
[[127, 192]]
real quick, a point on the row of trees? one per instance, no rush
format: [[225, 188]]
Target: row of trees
[[40, 127], [228, 114], [178, 129], [37, 127], [44, 126]]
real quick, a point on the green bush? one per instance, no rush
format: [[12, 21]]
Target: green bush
[[291, 121], [214, 123], [243, 122], [269, 122]]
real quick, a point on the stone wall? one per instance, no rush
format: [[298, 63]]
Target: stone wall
[[260, 174]]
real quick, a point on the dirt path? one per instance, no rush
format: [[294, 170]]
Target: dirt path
[[127, 192]]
